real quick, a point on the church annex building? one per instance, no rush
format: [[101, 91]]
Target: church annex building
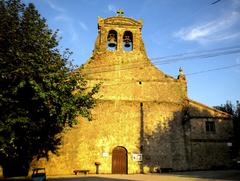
[[143, 120]]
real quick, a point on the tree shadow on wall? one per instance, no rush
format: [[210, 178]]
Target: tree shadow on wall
[[164, 144], [182, 143]]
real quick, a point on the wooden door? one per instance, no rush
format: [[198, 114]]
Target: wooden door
[[119, 160]]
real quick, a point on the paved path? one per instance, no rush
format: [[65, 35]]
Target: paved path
[[180, 176]]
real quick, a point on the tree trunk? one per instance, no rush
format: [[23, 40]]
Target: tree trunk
[[16, 167]]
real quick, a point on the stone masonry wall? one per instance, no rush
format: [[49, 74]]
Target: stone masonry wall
[[209, 150], [141, 109], [164, 144], [117, 123]]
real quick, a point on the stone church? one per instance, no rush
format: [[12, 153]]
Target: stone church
[[143, 120]]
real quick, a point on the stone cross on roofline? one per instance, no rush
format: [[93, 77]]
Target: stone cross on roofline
[[120, 12]]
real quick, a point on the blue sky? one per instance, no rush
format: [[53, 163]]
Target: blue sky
[[170, 27]]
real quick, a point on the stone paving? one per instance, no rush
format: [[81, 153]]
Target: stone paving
[[222, 175], [177, 176]]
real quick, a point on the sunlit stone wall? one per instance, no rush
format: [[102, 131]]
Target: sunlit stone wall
[[141, 109]]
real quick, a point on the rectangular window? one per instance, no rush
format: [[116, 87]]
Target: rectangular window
[[210, 127]]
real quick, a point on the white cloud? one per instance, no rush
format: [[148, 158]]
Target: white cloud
[[73, 33], [237, 70], [112, 8], [63, 18], [55, 7], [238, 60], [69, 25], [216, 30], [83, 25]]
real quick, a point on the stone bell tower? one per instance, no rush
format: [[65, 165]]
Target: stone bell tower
[[120, 34], [119, 53]]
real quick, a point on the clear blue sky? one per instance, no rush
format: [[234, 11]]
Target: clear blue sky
[[170, 27]]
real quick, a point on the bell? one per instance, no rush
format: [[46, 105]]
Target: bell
[[127, 45], [127, 41], [112, 42]]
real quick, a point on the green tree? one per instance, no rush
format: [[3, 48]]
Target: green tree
[[40, 93], [234, 110]]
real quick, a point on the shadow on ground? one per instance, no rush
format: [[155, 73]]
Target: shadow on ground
[[219, 174], [88, 178], [229, 175]]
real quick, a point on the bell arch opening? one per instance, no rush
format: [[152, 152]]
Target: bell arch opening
[[127, 41], [112, 40]]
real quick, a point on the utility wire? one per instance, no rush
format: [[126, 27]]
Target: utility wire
[[180, 57], [198, 52], [203, 56], [214, 69], [188, 74]]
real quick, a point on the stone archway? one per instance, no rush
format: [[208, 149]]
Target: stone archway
[[119, 160]]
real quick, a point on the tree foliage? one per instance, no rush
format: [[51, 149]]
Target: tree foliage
[[234, 110], [40, 93]]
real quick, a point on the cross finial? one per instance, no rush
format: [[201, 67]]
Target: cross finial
[[180, 71], [120, 12]]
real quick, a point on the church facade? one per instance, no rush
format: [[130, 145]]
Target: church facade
[[143, 120]]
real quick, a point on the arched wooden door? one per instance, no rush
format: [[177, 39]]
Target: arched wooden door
[[119, 160]]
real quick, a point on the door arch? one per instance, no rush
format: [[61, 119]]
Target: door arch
[[119, 160]]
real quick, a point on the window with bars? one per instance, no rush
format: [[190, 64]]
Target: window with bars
[[210, 127]]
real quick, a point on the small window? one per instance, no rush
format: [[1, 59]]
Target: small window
[[127, 41], [210, 127], [112, 40]]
